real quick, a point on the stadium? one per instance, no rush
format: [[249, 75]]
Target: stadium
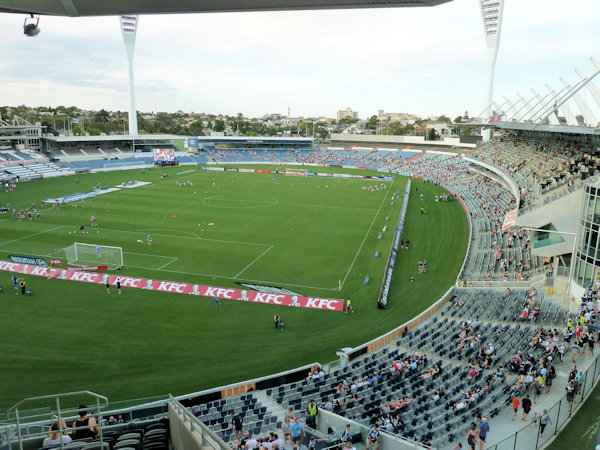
[[173, 283]]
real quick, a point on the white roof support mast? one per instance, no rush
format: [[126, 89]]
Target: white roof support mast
[[581, 104], [592, 87], [564, 109], [525, 105], [539, 99], [570, 92], [511, 106]]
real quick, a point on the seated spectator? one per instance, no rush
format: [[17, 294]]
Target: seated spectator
[[461, 404], [55, 438], [499, 374], [85, 427]]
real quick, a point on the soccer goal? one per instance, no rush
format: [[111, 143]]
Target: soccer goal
[[94, 254]]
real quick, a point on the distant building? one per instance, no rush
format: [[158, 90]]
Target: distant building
[[441, 128], [347, 114], [404, 118], [20, 134]]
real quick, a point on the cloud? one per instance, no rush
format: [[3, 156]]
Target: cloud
[[422, 60]]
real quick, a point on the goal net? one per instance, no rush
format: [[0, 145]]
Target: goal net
[[94, 254]]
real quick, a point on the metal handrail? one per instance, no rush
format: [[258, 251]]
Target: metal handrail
[[57, 397]]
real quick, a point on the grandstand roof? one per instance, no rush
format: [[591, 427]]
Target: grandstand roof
[[77, 8], [296, 140], [523, 126], [115, 137]]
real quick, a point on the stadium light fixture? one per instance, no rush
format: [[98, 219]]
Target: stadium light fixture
[[491, 15], [30, 26], [128, 32]]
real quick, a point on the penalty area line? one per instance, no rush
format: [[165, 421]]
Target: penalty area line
[[255, 259], [208, 275], [31, 235], [166, 264]]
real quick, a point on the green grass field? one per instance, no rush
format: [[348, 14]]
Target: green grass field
[[582, 431], [302, 234]]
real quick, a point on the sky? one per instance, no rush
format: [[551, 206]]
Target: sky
[[426, 61]]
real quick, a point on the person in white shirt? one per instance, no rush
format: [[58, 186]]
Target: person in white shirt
[[55, 437], [277, 442], [251, 443]]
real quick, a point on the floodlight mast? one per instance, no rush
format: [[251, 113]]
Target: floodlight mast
[[491, 14], [128, 31]]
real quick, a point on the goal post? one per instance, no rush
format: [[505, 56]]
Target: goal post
[[94, 254]]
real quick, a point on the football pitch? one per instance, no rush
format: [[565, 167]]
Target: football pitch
[[314, 236]]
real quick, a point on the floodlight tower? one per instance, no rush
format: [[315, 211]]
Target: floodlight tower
[[491, 14], [128, 31]]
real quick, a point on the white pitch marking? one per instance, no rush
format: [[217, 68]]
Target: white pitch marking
[[255, 259], [34, 234], [328, 206], [187, 237], [165, 265], [367, 234], [147, 254], [273, 283]]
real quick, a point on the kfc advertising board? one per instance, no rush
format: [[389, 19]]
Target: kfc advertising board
[[327, 304]]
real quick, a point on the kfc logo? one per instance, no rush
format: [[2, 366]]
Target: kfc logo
[[9, 267], [130, 282], [171, 287], [83, 276], [268, 298]]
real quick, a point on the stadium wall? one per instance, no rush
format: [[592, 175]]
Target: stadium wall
[[393, 139], [514, 189], [268, 381], [468, 213], [492, 176]]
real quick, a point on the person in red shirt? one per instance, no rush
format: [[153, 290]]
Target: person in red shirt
[[515, 404]]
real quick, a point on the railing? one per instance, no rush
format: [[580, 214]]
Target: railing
[[467, 253], [58, 415], [34, 423], [548, 198], [530, 437], [188, 432]]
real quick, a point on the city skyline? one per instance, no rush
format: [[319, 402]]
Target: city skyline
[[427, 61]]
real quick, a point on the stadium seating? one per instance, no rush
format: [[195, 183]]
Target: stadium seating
[[543, 168]]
